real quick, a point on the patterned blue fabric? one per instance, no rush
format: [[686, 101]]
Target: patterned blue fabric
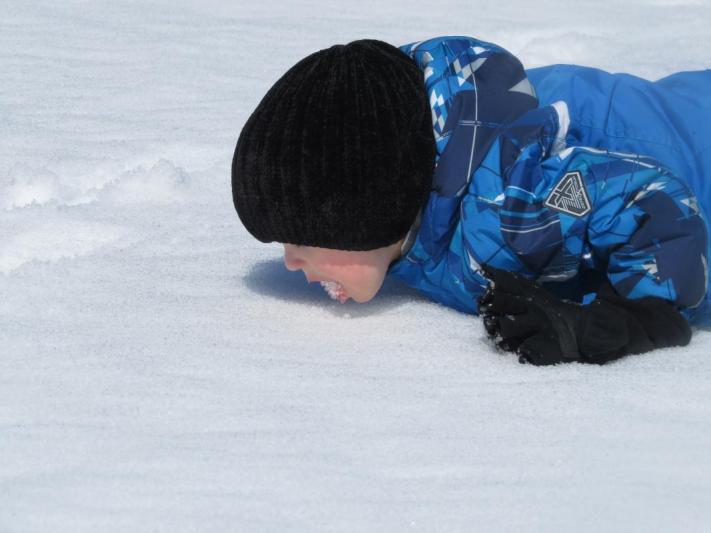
[[544, 189]]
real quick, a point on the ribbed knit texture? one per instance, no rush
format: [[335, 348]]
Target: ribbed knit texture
[[340, 151]]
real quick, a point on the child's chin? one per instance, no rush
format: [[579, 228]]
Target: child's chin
[[361, 299]]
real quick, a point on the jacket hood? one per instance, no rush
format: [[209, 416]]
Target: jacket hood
[[474, 89]]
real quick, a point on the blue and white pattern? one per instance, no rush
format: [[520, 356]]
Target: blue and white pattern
[[516, 188]]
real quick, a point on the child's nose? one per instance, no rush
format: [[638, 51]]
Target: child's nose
[[291, 265], [291, 262]]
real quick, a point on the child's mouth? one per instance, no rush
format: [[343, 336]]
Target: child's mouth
[[335, 290]]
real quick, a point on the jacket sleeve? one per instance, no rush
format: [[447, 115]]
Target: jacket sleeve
[[622, 214]]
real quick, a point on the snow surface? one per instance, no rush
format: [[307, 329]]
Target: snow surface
[[160, 370]]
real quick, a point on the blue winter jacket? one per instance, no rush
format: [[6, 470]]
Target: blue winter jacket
[[560, 172]]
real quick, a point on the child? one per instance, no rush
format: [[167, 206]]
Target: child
[[559, 203]]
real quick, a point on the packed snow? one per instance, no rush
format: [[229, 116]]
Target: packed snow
[[161, 370]]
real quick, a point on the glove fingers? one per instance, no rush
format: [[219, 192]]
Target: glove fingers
[[503, 310], [487, 297], [506, 281], [540, 349], [491, 325], [502, 303], [523, 325], [511, 344]]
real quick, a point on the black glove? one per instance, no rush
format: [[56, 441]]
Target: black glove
[[543, 329]]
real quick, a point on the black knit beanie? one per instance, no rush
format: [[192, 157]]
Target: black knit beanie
[[339, 153]]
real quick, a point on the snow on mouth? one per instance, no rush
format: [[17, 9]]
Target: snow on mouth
[[335, 290]]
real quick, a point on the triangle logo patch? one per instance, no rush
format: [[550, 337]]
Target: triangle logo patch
[[570, 196]]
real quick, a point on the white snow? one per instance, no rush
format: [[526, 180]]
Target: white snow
[[161, 370]]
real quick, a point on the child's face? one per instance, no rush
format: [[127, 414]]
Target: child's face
[[360, 274]]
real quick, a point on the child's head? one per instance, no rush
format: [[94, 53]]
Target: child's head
[[339, 155]]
